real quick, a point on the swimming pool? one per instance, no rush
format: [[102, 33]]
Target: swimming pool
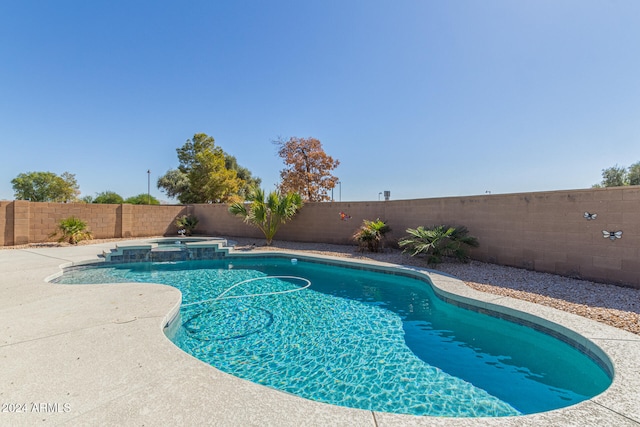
[[361, 338]]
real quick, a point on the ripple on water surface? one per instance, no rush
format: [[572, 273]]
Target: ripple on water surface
[[362, 339], [328, 349]]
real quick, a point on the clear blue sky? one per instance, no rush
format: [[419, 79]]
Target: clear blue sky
[[424, 98]]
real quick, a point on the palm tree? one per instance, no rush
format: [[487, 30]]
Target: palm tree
[[371, 234], [439, 241], [267, 213]]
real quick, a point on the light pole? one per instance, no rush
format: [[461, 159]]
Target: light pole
[[340, 193], [148, 186]]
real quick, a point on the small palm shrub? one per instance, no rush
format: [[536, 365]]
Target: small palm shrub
[[267, 212], [72, 230], [371, 234], [438, 242], [188, 223]]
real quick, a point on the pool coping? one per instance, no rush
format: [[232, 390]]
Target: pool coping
[[98, 355]]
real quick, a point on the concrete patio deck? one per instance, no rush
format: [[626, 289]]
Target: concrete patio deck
[[97, 355]]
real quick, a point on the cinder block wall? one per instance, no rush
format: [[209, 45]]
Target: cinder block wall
[[152, 220], [102, 220], [24, 222], [6, 223], [543, 231], [316, 222]]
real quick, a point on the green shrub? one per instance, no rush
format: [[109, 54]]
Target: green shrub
[[142, 199], [188, 223], [371, 234], [108, 197], [73, 230], [438, 242]]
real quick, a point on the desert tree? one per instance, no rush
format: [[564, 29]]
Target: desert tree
[[618, 176], [46, 187], [249, 181], [142, 199], [308, 168], [206, 174], [108, 197], [633, 174]]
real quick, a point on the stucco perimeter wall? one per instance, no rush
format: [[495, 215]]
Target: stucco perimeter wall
[[543, 231]]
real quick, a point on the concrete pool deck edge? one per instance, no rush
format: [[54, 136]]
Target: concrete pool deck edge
[[97, 355]]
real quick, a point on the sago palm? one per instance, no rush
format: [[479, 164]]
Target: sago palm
[[267, 213], [438, 242], [73, 230], [371, 234]]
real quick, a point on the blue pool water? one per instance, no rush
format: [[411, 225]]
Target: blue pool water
[[361, 339]]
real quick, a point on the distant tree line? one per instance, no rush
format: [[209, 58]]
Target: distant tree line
[[46, 187], [618, 176], [205, 174], [111, 197], [49, 187]]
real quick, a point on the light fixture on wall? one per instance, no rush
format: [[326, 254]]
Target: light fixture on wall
[[590, 216], [612, 235]]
